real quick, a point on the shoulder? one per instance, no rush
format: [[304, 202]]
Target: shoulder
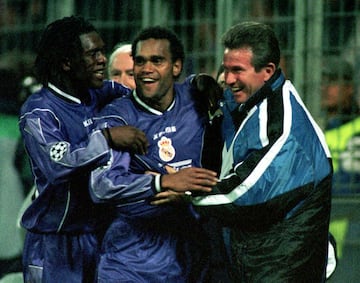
[[42, 99], [121, 103], [184, 89], [120, 107], [113, 87]]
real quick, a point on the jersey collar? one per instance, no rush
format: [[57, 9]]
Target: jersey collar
[[63, 94], [148, 108]]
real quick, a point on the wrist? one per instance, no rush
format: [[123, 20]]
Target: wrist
[[158, 179], [107, 134]]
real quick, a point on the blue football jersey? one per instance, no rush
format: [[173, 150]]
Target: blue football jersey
[[156, 243], [59, 134], [176, 142]]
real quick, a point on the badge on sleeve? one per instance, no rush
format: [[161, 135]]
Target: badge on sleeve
[[58, 150]]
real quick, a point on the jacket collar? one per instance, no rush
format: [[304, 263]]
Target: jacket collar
[[270, 86]]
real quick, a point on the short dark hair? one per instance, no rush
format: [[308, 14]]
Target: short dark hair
[[158, 32], [259, 38], [60, 41], [336, 69]]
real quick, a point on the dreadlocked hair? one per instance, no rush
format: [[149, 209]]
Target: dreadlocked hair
[[60, 42]]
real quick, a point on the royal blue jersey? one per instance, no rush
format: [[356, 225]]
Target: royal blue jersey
[[147, 243], [63, 145], [176, 141]]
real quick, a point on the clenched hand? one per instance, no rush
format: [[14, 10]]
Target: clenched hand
[[129, 138]]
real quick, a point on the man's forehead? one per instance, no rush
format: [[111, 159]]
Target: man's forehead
[[153, 47], [91, 40]]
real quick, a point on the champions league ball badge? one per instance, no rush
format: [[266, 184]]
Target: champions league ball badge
[[58, 150], [166, 150]]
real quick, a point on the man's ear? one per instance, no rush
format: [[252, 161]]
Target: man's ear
[[177, 68], [269, 70], [66, 64]]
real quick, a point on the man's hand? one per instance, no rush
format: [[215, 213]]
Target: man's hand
[[127, 137], [207, 93], [189, 179], [167, 197]]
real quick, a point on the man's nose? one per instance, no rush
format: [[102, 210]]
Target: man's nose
[[148, 66], [230, 78], [101, 57]]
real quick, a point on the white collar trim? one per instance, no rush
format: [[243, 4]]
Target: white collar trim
[[60, 92], [150, 109]]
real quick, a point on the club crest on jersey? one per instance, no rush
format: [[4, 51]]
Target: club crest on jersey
[[58, 150], [166, 150]]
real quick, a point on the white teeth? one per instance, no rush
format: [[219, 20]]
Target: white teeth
[[236, 89], [147, 80]]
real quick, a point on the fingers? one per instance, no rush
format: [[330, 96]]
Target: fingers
[[200, 188], [159, 202], [203, 176], [142, 142], [190, 179], [167, 197], [165, 194], [202, 179], [139, 141], [170, 169], [129, 138], [152, 173]]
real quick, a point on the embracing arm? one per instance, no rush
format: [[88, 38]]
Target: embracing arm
[[207, 93], [130, 192], [50, 151], [126, 138]]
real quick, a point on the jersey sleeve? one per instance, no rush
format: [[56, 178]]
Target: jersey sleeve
[[110, 91], [130, 189], [53, 154], [131, 193]]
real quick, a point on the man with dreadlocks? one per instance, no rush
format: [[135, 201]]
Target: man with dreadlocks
[[63, 225]]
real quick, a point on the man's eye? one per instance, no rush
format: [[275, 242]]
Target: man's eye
[[96, 53], [91, 53], [139, 61], [157, 61]]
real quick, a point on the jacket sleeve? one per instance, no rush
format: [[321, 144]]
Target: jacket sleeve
[[277, 158]]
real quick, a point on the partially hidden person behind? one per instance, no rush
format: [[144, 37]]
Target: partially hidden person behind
[[148, 243], [342, 127], [120, 68], [11, 189], [64, 227], [274, 192]]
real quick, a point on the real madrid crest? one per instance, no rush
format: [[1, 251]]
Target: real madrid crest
[[166, 150]]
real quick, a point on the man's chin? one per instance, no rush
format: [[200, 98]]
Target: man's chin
[[240, 99], [97, 84]]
